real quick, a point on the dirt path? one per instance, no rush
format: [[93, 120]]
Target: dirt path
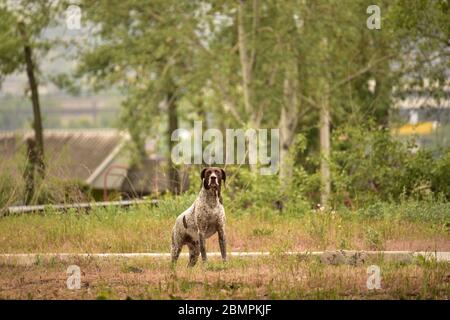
[[344, 275]]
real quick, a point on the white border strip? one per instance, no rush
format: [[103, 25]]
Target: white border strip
[[30, 258]]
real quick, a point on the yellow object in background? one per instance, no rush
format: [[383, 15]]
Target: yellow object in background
[[423, 128]]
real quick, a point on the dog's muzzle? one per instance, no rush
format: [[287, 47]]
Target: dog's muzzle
[[213, 181]]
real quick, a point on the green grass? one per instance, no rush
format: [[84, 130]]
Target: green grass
[[410, 225], [404, 226]]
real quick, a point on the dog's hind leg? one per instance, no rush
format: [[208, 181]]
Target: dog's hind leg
[[176, 250], [194, 252]]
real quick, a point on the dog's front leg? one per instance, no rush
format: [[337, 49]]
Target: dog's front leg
[[201, 238], [222, 243]]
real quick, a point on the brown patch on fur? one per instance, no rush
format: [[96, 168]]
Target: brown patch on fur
[[187, 238]]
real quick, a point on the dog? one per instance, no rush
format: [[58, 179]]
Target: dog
[[202, 219]]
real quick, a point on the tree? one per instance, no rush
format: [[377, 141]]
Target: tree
[[145, 49], [286, 64], [423, 41], [21, 45], [349, 56], [255, 69], [339, 56], [302, 66]]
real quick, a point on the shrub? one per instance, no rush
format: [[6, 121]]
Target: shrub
[[435, 211], [369, 165], [51, 190], [441, 176]]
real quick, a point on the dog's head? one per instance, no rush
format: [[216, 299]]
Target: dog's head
[[212, 178]]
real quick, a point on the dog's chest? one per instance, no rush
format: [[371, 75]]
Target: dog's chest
[[208, 217]]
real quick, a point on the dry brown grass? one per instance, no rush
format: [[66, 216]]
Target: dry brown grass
[[252, 278]]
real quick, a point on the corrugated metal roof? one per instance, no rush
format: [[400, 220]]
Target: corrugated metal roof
[[70, 154]]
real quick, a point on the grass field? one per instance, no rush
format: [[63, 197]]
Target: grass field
[[409, 226], [412, 226], [277, 277]]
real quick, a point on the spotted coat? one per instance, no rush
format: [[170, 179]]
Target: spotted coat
[[204, 218]]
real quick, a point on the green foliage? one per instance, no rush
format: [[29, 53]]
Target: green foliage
[[174, 205], [370, 169], [432, 210], [251, 191], [9, 193], [373, 239], [147, 52], [22, 23], [51, 190], [440, 174], [369, 165], [261, 232], [191, 51]]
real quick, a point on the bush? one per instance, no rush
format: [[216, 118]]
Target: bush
[[10, 192], [369, 165], [440, 181], [51, 190], [248, 190], [370, 169], [435, 211]]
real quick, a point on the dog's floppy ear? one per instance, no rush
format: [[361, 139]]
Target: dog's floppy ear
[[224, 176], [202, 175]]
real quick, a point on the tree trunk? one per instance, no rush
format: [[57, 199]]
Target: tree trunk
[[288, 126], [325, 149], [246, 66], [324, 124], [247, 58], [37, 120], [174, 181], [30, 166]]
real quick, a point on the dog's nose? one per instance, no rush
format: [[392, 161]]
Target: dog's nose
[[213, 178]]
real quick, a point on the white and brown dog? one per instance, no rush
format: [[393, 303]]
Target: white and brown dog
[[205, 217]]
